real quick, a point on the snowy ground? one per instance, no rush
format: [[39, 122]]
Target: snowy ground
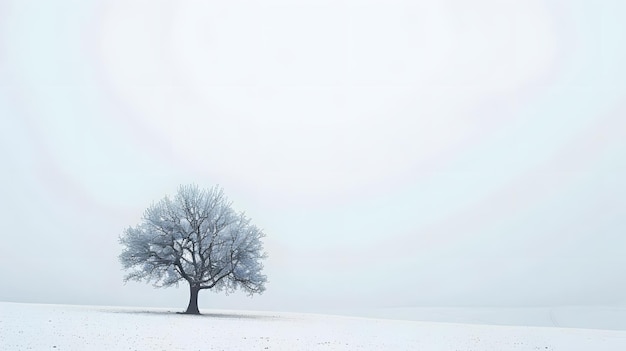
[[57, 327], [581, 317]]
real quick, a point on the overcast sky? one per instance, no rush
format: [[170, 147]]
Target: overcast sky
[[396, 153]]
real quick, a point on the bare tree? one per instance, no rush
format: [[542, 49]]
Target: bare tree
[[199, 238]]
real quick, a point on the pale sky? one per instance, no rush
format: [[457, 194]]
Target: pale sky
[[396, 153]]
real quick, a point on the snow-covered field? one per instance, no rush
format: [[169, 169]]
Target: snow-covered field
[[59, 327], [581, 317]]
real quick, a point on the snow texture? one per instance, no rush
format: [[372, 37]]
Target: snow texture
[[58, 327]]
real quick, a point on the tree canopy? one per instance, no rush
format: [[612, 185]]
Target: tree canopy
[[196, 237]]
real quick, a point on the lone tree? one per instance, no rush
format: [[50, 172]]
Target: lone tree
[[199, 238]]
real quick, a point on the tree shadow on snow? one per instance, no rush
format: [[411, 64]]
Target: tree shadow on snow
[[223, 315]]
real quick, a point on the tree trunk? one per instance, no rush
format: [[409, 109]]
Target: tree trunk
[[193, 300]]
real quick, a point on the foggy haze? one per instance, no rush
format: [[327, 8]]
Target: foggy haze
[[396, 153]]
